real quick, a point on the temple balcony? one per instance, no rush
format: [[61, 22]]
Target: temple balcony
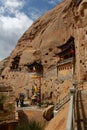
[[35, 74], [65, 61]]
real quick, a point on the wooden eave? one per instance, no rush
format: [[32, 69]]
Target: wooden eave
[[66, 51], [69, 42]]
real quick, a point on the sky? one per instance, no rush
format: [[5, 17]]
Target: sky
[[16, 16]]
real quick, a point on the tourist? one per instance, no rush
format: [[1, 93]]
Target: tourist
[[17, 101]]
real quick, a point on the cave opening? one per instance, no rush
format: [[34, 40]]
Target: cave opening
[[35, 67], [15, 63]]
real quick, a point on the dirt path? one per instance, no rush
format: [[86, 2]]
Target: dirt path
[[28, 114]]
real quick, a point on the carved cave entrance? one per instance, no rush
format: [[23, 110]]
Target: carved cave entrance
[[35, 67], [15, 63]]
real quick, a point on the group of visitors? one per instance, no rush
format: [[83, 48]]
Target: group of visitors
[[34, 98], [20, 100]]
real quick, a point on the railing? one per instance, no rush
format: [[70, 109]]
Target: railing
[[62, 102], [69, 60], [32, 74], [70, 124], [66, 61]]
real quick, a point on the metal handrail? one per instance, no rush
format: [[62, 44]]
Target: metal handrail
[[62, 102], [69, 125]]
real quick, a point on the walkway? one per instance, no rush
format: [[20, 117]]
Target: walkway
[[81, 111], [36, 108]]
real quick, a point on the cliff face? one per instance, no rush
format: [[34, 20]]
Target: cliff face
[[40, 44], [40, 41], [3, 64]]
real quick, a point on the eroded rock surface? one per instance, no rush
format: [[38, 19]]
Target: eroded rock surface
[[41, 43]]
